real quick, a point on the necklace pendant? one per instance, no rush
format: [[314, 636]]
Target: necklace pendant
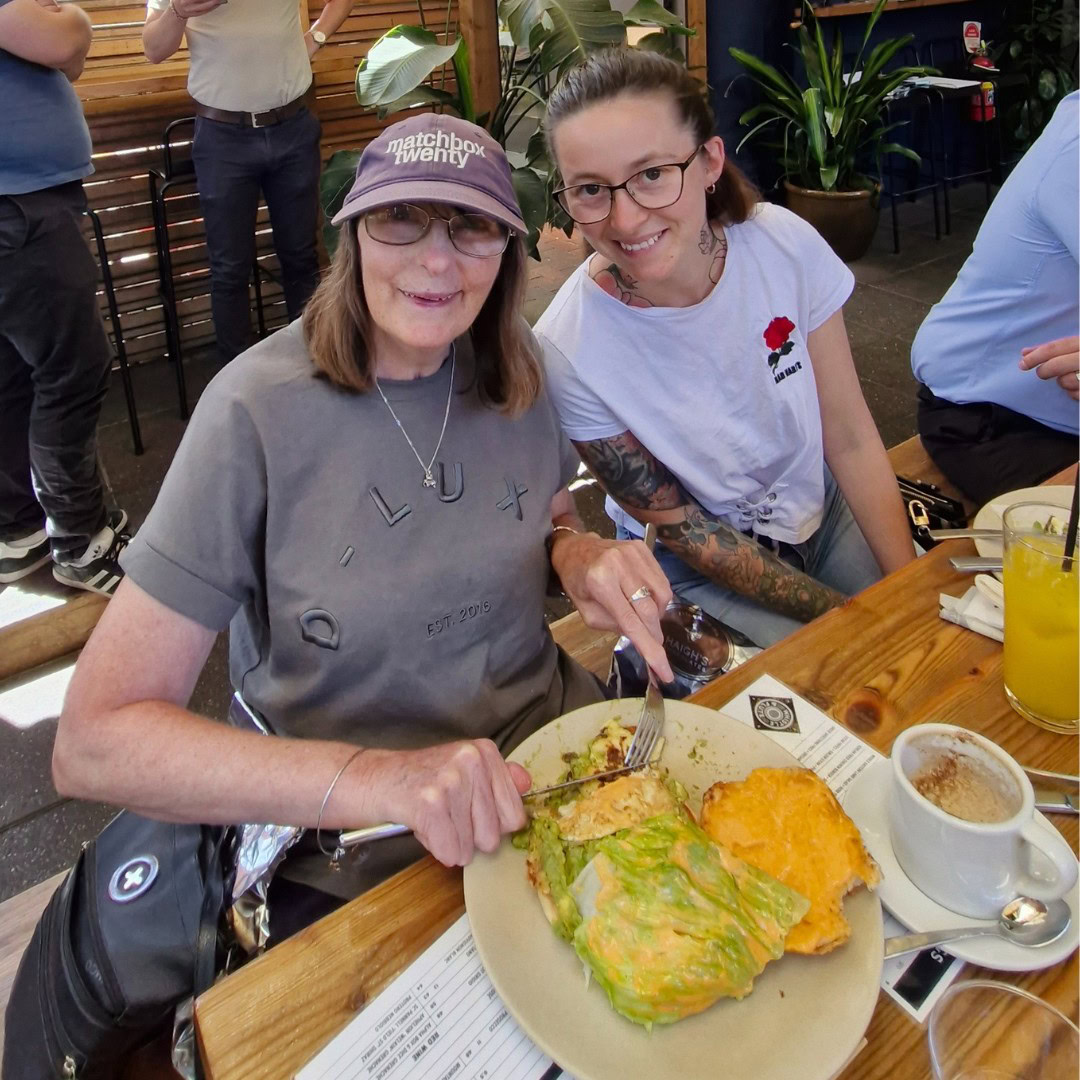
[[429, 480]]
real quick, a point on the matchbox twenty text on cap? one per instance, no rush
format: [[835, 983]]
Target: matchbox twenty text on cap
[[434, 146]]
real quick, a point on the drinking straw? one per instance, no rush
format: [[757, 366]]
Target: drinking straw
[[1070, 532]]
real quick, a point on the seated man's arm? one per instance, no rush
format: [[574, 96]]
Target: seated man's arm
[[647, 490], [164, 30], [47, 34]]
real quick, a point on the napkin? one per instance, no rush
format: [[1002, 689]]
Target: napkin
[[975, 611]]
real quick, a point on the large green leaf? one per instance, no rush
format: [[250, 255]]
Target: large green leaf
[[580, 27], [464, 81], [531, 190], [776, 84], [663, 43], [815, 124], [399, 62], [417, 96], [650, 13], [334, 185], [521, 18]]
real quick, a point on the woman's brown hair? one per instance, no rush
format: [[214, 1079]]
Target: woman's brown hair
[[337, 326], [607, 73]]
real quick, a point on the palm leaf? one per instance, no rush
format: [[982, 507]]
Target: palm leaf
[[399, 62], [419, 95], [650, 13]]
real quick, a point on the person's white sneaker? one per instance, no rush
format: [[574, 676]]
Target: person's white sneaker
[[98, 569], [23, 556]]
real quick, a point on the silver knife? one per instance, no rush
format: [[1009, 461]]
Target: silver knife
[[956, 534], [974, 564]]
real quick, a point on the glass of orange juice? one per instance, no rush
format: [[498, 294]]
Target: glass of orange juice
[[1042, 617]]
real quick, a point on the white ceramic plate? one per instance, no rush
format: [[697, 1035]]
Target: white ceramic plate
[[806, 1014], [989, 517], [867, 804]]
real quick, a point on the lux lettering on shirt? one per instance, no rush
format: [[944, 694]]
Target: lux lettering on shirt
[[434, 146], [512, 499]]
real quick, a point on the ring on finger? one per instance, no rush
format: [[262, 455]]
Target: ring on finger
[[640, 594]]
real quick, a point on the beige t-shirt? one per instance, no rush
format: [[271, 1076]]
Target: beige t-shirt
[[246, 55]]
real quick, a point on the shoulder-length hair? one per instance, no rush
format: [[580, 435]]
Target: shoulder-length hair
[[338, 328], [607, 73]]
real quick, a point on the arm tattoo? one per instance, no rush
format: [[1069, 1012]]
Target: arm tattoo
[[739, 563], [631, 475]]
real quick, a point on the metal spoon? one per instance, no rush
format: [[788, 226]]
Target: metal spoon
[[1022, 921]]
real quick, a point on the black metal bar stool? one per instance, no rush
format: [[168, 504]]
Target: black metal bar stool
[[117, 330], [916, 101], [176, 172], [951, 59]]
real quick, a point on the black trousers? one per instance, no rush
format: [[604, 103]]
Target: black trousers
[[987, 450], [232, 164], [54, 371]]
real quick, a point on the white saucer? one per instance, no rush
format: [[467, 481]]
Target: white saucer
[[867, 804], [989, 516]]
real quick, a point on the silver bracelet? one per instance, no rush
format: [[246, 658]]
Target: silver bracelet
[[564, 528], [326, 798], [176, 14]]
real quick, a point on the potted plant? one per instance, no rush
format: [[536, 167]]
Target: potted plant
[[831, 131], [398, 73]]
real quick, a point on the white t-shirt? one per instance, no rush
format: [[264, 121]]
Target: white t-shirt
[[246, 55], [722, 392]]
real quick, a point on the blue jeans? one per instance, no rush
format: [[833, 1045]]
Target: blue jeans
[[232, 164], [837, 555]]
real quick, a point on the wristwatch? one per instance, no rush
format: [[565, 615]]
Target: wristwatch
[[317, 36]]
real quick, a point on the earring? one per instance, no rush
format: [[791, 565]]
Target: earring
[[711, 189]]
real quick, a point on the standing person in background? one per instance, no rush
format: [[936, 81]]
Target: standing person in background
[[700, 364], [998, 356], [250, 70], [54, 355]]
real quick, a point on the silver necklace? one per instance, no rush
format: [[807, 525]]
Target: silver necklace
[[429, 478]]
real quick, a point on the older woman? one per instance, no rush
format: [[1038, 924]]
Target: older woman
[[699, 359], [372, 500]]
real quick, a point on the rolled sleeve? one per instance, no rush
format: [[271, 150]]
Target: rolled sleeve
[[201, 549]]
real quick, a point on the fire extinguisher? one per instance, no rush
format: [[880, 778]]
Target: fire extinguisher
[[982, 102]]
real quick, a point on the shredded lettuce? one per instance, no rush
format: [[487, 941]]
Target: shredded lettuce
[[680, 921]]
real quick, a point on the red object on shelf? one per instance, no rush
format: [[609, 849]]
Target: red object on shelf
[[982, 102]]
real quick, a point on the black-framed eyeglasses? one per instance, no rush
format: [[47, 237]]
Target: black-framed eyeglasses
[[655, 187], [472, 234]]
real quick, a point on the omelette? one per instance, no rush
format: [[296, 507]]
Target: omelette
[[788, 823], [665, 920]]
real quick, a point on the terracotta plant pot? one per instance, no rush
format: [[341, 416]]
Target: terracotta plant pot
[[847, 219]]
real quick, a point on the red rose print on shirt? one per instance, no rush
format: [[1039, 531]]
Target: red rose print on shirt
[[777, 338]]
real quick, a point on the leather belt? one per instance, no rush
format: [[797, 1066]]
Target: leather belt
[[254, 120]]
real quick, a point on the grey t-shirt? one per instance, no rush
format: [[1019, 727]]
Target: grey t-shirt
[[361, 605]]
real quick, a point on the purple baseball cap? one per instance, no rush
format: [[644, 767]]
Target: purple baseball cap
[[434, 158]]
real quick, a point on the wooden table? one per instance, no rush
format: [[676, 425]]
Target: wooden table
[[879, 664]]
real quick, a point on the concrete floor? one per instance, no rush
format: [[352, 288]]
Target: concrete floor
[[40, 833]]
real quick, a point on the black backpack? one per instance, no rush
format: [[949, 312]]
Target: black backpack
[[132, 931]]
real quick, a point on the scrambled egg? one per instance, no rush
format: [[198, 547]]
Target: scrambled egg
[[788, 823]]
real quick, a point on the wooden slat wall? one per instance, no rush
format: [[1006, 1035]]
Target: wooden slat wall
[[128, 103]]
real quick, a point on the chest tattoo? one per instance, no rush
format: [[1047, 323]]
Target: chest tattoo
[[622, 286]]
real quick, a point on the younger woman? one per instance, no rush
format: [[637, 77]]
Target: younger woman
[[699, 361]]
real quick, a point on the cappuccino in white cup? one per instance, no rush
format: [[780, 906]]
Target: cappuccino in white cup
[[961, 821]]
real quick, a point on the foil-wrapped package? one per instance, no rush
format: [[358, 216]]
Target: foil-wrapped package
[[699, 648]]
